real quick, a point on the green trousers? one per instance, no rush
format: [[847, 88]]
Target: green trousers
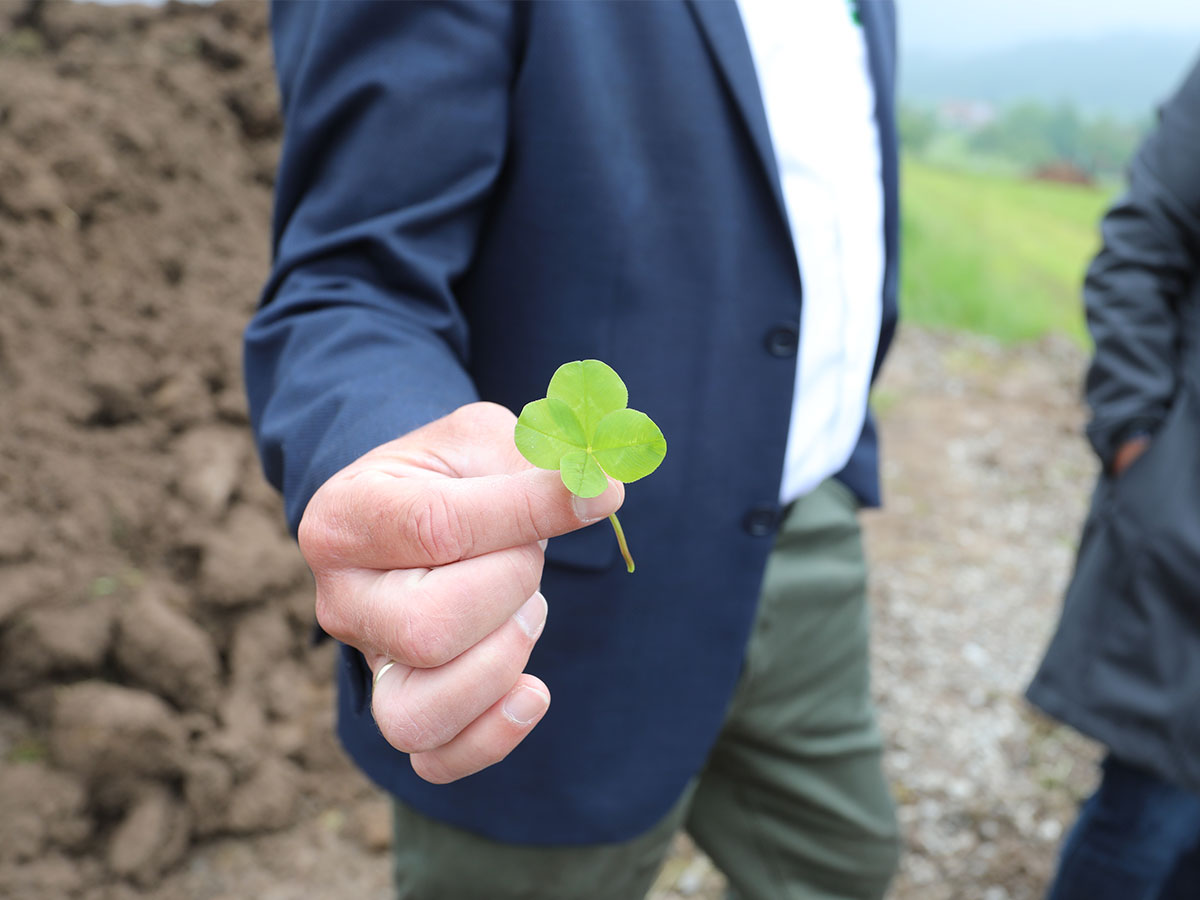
[[792, 803]]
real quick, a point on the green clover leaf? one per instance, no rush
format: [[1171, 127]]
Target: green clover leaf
[[628, 445], [584, 429], [591, 388], [546, 431]]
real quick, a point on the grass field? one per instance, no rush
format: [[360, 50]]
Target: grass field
[[996, 254]]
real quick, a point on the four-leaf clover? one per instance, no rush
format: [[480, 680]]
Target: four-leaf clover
[[584, 429]]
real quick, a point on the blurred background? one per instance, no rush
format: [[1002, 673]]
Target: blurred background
[[1017, 120], [165, 727]]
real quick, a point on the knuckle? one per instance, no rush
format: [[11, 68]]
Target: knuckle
[[471, 753], [532, 516], [432, 768], [425, 641], [486, 415], [313, 535], [323, 534], [434, 529], [330, 613], [525, 566], [408, 728]]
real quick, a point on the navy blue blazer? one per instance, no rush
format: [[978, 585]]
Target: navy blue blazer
[[470, 195]]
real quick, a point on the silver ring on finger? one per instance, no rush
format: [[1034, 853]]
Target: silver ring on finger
[[379, 674]]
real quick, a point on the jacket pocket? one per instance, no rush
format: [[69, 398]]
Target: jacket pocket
[[1156, 501], [1170, 464]]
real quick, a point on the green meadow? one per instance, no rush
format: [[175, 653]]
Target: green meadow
[[996, 254]]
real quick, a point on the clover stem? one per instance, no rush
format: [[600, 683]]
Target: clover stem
[[616, 524]]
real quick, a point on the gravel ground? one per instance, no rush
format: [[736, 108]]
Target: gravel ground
[[988, 478]]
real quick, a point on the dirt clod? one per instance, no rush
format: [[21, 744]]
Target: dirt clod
[[105, 731], [64, 639], [164, 650], [152, 837], [208, 785], [210, 466], [43, 808], [267, 800], [248, 558]]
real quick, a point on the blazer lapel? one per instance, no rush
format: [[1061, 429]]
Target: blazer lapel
[[721, 25], [879, 29]]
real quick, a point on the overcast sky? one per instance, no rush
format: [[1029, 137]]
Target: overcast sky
[[966, 26], [950, 26]]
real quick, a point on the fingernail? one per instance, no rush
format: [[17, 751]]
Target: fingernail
[[543, 543], [532, 616], [589, 509], [525, 704]]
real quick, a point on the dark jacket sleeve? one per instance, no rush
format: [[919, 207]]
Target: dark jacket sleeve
[[1142, 275], [395, 133]]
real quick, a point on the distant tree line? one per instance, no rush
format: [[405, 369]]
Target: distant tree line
[[1030, 137]]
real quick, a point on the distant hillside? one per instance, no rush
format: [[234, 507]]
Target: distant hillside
[[1126, 76], [995, 254]]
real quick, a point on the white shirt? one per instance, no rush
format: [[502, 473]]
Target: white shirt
[[815, 80]]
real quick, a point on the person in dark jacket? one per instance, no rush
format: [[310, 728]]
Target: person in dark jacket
[[1124, 664]]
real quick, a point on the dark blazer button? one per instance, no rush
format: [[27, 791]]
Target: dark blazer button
[[761, 521], [782, 340]]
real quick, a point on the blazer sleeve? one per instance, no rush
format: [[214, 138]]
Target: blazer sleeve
[[395, 134], [1144, 271]]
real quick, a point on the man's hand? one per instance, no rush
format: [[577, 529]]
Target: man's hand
[[428, 554], [1128, 452]]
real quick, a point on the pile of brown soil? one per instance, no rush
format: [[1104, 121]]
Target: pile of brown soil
[[156, 687]]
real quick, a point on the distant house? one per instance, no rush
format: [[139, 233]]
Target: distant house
[[1062, 171]]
